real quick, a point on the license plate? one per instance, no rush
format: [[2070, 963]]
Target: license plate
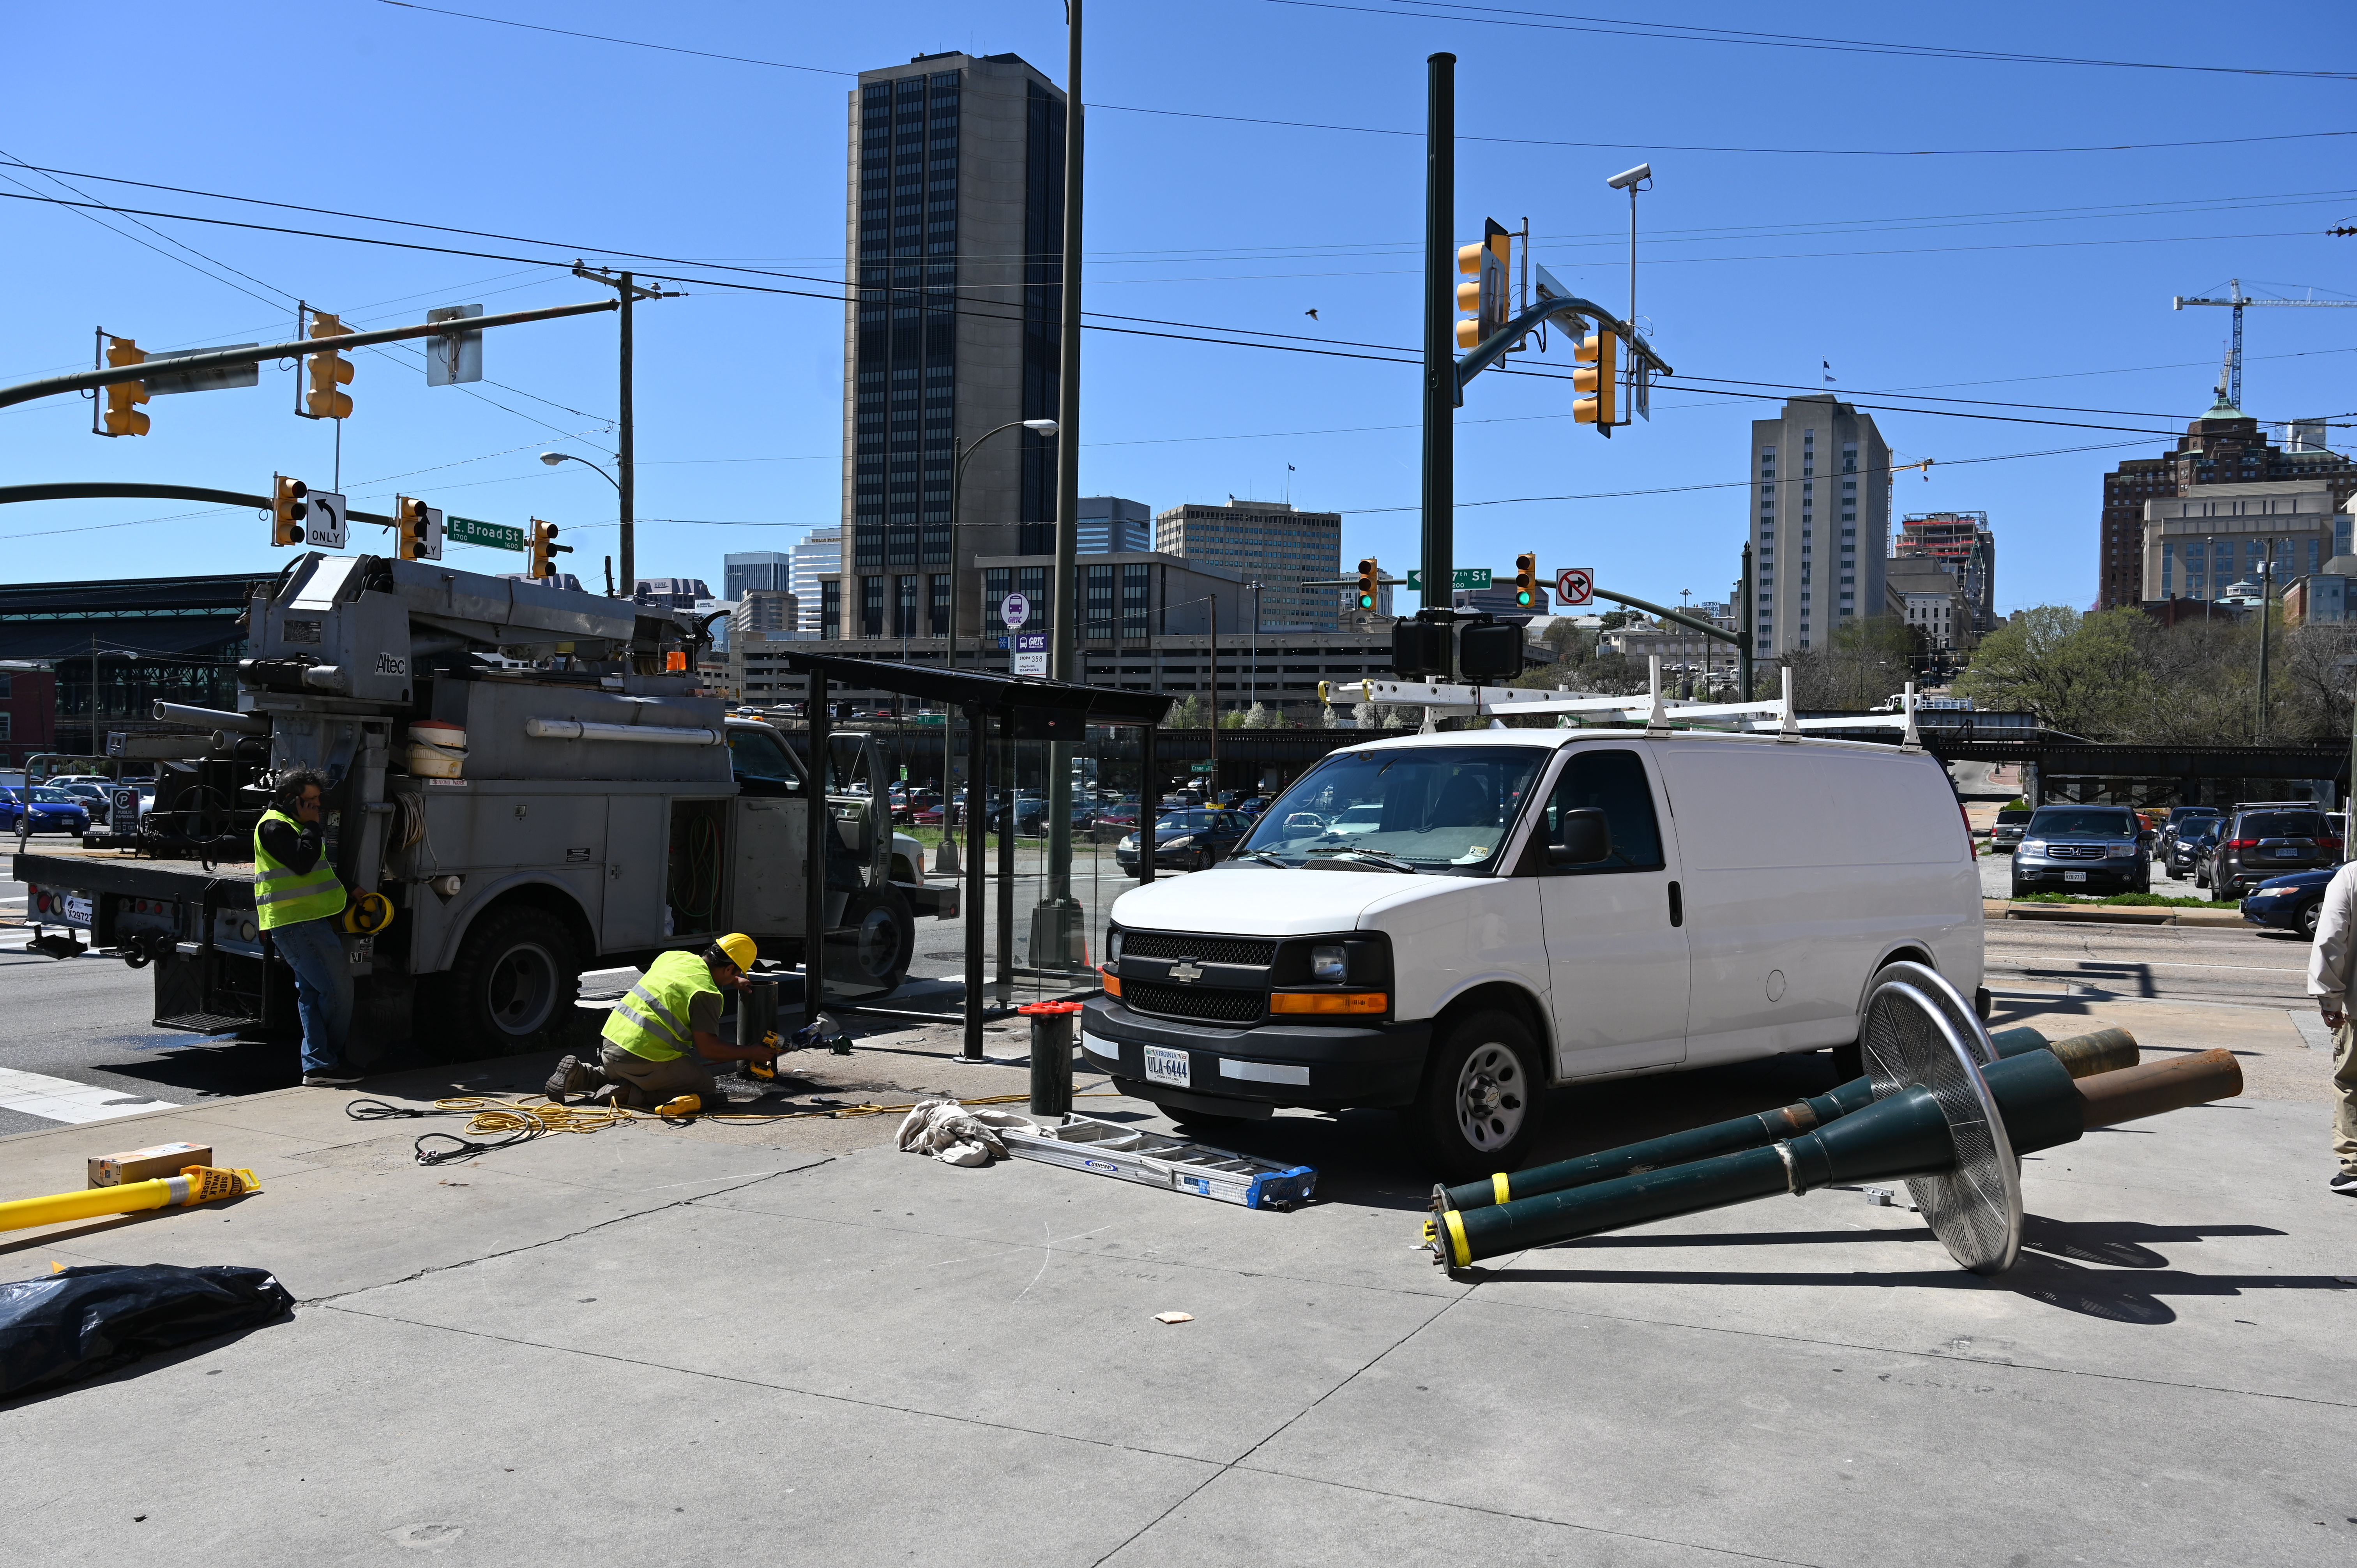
[[78, 911], [1166, 1067], [2074, 877], [2286, 853]]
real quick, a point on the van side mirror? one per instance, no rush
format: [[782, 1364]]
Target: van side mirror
[[1586, 840]]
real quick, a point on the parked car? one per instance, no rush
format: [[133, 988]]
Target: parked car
[[2082, 849], [2264, 840], [92, 795], [52, 809], [2182, 818], [2193, 841], [1186, 841], [1030, 813], [2006, 834], [2289, 902]]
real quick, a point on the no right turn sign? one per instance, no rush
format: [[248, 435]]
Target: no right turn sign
[[1575, 584]]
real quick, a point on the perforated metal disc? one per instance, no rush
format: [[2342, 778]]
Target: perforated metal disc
[[1908, 1038], [1969, 1027]]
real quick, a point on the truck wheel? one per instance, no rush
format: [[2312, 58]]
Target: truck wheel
[[512, 989], [881, 941], [1484, 1096]]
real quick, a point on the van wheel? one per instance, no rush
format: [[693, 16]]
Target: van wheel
[[511, 990], [1484, 1096]]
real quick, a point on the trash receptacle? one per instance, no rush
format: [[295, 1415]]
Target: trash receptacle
[[1051, 1056]]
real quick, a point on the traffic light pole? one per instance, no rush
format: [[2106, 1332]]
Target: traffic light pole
[[259, 353], [1440, 384], [1056, 922]]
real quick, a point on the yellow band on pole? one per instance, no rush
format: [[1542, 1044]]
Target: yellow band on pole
[[1497, 1186], [1458, 1251]]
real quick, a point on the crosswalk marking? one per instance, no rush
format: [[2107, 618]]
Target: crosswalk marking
[[65, 1100]]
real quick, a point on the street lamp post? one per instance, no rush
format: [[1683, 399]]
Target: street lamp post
[[629, 565], [1251, 682], [945, 858]]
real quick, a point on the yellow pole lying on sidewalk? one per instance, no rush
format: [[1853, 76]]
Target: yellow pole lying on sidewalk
[[195, 1183]]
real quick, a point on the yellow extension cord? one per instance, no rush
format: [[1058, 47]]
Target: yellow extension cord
[[517, 1116]]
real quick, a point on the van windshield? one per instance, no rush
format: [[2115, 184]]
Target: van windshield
[[1440, 808], [2053, 822]]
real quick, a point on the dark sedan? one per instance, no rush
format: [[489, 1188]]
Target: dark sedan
[[53, 811], [2189, 844], [2289, 902], [1187, 840]]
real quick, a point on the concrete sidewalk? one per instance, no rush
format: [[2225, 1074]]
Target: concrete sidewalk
[[659, 1345]]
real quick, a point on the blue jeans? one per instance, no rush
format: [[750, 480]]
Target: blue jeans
[[323, 988]]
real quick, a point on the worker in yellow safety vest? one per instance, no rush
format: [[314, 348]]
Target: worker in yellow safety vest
[[297, 899], [656, 1033]]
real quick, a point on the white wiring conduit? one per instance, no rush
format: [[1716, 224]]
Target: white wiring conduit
[[656, 734]]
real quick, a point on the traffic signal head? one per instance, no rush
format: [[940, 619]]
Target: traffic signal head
[[1527, 580], [544, 549], [122, 416], [329, 371], [287, 509], [417, 528], [1597, 377], [1484, 299], [1370, 578]]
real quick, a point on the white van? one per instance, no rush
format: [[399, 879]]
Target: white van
[[1534, 907]]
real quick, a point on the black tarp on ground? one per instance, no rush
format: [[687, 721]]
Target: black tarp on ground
[[81, 1322]]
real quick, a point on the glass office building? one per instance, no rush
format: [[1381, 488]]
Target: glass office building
[[955, 237]]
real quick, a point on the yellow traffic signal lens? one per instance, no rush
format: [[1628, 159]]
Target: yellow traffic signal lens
[[1469, 334], [1468, 258]]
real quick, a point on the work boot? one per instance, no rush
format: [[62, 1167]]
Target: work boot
[[571, 1076], [619, 1097]]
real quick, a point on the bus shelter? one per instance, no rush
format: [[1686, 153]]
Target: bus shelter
[[1001, 713]]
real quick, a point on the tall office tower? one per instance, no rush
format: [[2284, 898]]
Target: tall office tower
[[1965, 541], [1112, 526], [820, 551], [744, 571], [954, 236], [1810, 468], [1271, 543], [2221, 447]]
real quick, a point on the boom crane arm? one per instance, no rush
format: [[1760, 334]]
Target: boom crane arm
[[2231, 384]]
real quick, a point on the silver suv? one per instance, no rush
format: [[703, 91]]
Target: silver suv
[[2082, 849]]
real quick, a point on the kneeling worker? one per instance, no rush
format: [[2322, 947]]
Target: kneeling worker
[[655, 1033]]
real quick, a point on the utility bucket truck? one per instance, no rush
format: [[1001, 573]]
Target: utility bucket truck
[[532, 796]]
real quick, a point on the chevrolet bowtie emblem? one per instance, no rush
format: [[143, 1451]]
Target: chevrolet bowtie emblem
[[1185, 969]]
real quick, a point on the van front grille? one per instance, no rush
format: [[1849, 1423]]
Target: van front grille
[[1190, 1002]]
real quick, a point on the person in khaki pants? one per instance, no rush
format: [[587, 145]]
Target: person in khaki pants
[[2332, 965]]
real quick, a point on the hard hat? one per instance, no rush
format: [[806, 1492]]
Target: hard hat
[[740, 948]]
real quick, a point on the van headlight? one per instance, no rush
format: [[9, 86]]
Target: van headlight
[[1330, 964], [1113, 946]]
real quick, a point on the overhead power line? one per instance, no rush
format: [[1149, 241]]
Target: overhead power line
[[1384, 130], [1672, 32]]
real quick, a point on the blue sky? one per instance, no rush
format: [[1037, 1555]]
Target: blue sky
[[2040, 278]]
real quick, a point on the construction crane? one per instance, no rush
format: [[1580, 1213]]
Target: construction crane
[[2230, 383]]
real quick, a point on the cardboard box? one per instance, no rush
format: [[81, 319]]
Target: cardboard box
[[146, 1165]]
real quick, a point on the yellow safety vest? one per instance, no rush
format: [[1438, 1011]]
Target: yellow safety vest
[[282, 895], [652, 1020]]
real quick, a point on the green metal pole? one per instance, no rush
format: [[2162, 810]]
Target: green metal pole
[[1439, 328]]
